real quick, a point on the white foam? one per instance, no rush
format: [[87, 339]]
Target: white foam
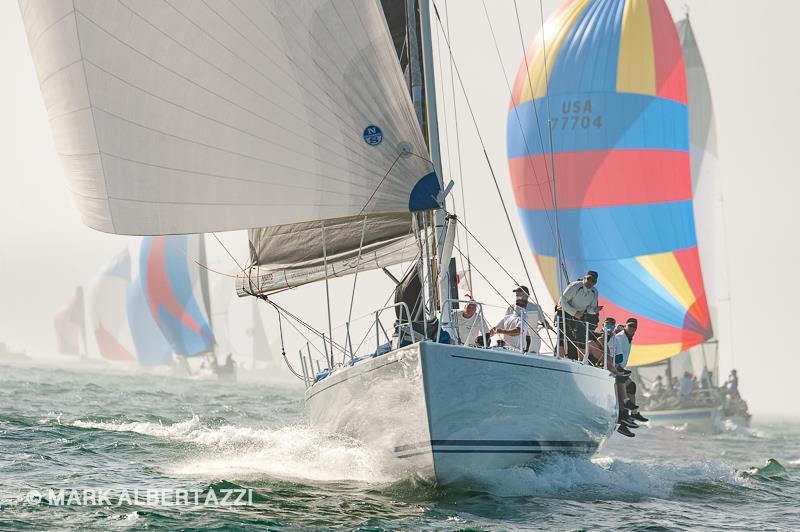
[[243, 452], [602, 478]]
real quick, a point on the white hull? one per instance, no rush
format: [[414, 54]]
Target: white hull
[[446, 411], [707, 420]]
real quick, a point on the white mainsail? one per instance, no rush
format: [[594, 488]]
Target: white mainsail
[[706, 181], [189, 117]]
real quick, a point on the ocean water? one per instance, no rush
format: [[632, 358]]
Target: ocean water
[[83, 429]]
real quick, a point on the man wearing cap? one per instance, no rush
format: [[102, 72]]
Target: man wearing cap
[[469, 325], [513, 325], [577, 305], [531, 322], [626, 388]]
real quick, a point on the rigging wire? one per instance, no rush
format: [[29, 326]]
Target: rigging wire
[[560, 246], [485, 154], [516, 113], [461, 183]]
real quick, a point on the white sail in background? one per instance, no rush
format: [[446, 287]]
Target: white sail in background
[[262, 352], [189, 117], [238, 327], [70, 324], [107, 311], [706, 180]]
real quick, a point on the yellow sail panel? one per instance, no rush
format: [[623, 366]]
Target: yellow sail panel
[[547, 265], [636, 70], [650, 354], [666, 270], [555, 31]]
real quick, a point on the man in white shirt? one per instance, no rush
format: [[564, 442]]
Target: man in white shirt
[[578, 300], [532, 322], [626, 388], [510, 327], [469, 325]]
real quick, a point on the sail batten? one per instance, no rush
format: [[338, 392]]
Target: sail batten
[[188, 117]]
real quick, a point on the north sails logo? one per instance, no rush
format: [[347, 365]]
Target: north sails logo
[[373, 135]]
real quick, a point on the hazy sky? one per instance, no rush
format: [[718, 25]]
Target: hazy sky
[[749, 50]]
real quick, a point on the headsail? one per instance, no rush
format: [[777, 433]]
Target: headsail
[[70, 324], [279, 262], [107, 312], [196, 117], [616, 87], [171, 282]]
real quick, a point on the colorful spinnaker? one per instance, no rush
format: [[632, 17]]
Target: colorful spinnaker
[[152, 348], [176, 294], [612, 90]]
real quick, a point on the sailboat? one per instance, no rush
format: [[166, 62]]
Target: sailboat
[[107, 321], [296, 122], [70, 325], [708, 408]]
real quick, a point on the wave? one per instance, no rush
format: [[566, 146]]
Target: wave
[[603, 478], [295, 452]]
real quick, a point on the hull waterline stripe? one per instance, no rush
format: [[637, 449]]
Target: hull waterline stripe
[[495, 443]]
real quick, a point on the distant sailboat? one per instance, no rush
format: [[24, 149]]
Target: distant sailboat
[[707, 409], [107, 312], [70, 324]]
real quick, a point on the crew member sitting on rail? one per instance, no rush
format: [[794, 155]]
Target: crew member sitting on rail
[[597, 341], [626, 388], [579, 298]]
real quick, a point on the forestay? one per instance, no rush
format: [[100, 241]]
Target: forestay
[[191, 117]]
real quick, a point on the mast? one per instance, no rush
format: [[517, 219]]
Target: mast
[[443, 290]]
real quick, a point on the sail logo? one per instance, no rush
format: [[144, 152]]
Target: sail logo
[[576, 114], [373, 135]]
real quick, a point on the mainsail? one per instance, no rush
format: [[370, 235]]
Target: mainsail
[[706, 182], [107, 311], [196, 117], [613, 95], [174, 292], [70, 324]]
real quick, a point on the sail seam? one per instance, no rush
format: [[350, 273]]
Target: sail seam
[[234, 79], [91, 112]]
